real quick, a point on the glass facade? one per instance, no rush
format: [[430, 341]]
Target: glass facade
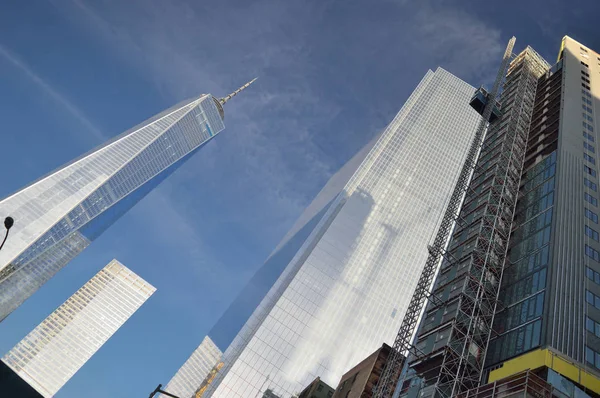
[[202, 365], [519, 325], [60, 214], [347, 287], [56, 349]]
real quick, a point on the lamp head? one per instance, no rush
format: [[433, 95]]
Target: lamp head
[[9, 222]]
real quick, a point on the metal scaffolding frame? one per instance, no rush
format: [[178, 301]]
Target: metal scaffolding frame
[[500, 165], [403, 342], [464, 358]]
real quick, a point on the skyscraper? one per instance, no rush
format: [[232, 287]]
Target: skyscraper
[[345, 285], [60, 214], [56, 349], [518, 292], [202, 366]]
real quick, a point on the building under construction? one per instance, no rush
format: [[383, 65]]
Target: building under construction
[[510, 293]]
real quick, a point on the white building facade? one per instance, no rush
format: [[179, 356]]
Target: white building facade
[[57, 348], [348, 286]]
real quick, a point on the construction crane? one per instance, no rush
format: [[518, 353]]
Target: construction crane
[[403, 344]]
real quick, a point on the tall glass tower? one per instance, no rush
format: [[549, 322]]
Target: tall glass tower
[[58, 347], [521, 311], [357, 253], [202, 365], [60, 214]]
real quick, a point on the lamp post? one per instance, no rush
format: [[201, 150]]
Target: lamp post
[[158, 390], [8, 223]]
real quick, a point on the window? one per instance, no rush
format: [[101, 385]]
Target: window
[[588, 136], [586, 93], [591, 233], [588, 126], [592, 275], [591, 215], [585, 86], [592, 357], [590, 171], [585, 80], [593, 254], [584, 64], [589, 158], [592, 299], [590, 199], [585, 73], [582, 49], [592, 326], [589, 147], [590, 185]]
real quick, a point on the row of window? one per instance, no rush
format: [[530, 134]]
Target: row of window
[[591, 185], [592, 326], [592, 275], [591, 253], [589, 147], [592, 357], [520, 313], [589, 171], [592, 299], [591, 233], [590, 199], [589, 136], [524, 287], [526, 265], [589, 158], [515, 342]]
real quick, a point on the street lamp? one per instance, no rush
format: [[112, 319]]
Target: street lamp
[[8, 223], [158, 390]]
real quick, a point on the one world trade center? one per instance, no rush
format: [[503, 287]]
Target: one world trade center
[[59, 215]]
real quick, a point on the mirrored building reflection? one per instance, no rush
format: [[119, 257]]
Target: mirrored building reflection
[[58, 347], [344, 286], [203, 364], [60, 214]]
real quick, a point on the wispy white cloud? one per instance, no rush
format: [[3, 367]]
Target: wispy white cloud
[[460, 41], [53, 93], [275, 157], [162, 41]]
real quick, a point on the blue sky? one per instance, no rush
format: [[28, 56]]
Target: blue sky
[[74, 73]]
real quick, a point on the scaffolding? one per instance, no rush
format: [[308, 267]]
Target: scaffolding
[[504, 151], [456, 362], [403, 342], [524, 384]]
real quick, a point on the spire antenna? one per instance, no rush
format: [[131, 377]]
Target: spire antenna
[[236, 92]]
